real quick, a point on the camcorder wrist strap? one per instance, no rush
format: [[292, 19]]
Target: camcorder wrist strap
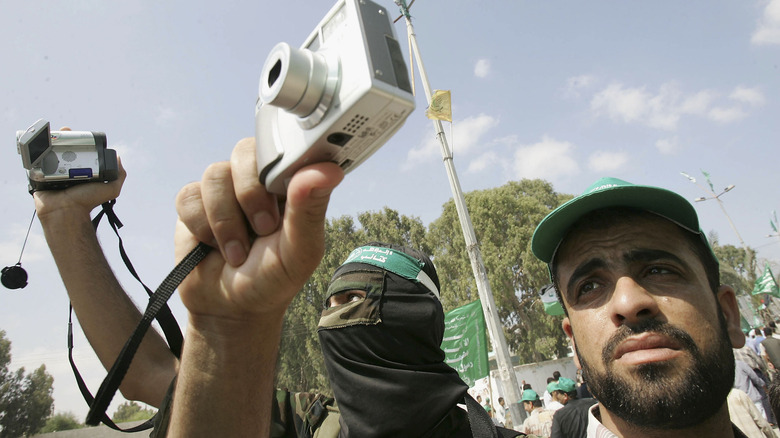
[[156, 309]]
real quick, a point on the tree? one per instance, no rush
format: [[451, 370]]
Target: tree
[[132, 411], [25, 400], [504, 220], [61, 421], [301, 367], [738, 268], [734, 270]]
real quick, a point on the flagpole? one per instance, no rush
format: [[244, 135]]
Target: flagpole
[[495, 331]]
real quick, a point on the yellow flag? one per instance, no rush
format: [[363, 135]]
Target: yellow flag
[[441, 106]]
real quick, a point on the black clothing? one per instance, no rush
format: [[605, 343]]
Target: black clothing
[[379, 347], [583, 391], [571, 421]]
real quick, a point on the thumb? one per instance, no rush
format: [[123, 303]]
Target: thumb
[[303, 228]]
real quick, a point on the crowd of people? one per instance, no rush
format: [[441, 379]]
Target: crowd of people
[[653, 330], [561, 411]]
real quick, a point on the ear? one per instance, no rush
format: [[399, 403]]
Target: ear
[[728, 305], [566, 325]]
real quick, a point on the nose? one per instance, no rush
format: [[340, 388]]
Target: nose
[[631, 303]]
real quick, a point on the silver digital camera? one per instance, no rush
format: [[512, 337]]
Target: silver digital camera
[[59, 159], [338, 98]]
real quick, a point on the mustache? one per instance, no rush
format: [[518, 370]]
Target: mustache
[[649, 325]]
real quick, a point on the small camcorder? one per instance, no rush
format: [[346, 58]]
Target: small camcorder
[[59, 159], [338, 98]]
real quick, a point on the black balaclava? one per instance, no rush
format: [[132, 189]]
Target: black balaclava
[[383, 352]]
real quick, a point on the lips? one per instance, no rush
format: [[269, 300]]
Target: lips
[[646, 348]]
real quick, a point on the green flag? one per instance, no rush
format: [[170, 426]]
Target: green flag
[[550, 300], [766, 284], [707, 177], [465, 342]]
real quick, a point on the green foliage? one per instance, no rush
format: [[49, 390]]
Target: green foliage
[[132, 411], [504, 219], [738, 269], [737, 266], [25, 400], [62, 421]]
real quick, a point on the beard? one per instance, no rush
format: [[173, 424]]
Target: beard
[[660, 396]]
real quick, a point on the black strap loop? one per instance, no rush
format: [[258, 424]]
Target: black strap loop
[[166, 319], [148, 424], [157, 309], [111, 383]]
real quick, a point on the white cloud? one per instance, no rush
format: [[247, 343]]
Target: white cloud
[[546, 159], [618, 103], [664, 109], [574, 85], [468, 133], [603, 161], [482, 68], [751, 96], [667, 146], [768, 30], [166, 115], [482, 162], [465, 136], [698, 103], [726, 115]]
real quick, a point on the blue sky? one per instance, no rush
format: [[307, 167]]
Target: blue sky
[[566, 91]]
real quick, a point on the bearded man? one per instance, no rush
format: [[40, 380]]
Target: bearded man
[[651, 326]]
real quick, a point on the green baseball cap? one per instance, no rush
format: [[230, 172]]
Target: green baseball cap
[[529, 395], [565, 384], [612, 192]]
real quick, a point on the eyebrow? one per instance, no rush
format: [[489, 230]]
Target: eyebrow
[[633, 256], [650, 255], [582, 270]]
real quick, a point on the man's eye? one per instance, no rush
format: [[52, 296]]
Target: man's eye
[[587, 287], [342, 298], [659, 270]]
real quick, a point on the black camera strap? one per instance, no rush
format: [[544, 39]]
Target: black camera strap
[[148, 424], [167, 322], [156, 309]]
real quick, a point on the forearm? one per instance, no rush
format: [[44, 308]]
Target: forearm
[[225, 381], [105, 312]]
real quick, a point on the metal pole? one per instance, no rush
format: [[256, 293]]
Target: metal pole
[[495, 331], [733, 227]]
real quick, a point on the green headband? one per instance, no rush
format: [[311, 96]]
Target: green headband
[[396, 262]]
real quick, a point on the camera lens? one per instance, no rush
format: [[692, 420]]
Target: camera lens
[[295, 79], [273, 74]]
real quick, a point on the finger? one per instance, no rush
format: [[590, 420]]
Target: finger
[[183, 240], [226, 219], [198, 291], [192, 214], [303, 230], [259, 206]]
